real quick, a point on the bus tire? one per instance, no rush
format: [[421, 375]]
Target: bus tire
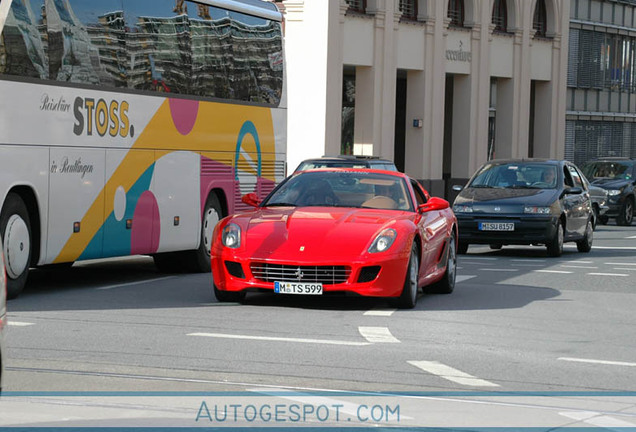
[[200, 259], [15, 229]]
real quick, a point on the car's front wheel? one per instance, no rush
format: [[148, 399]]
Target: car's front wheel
[[626, 215], [585, 244], [555, 246], [408, 299], [228, 296]]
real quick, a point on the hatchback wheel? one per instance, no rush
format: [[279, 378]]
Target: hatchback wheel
[[555, 246], [585, 244], [626, 216]]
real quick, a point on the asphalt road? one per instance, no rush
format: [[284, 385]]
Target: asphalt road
[[517, 321]]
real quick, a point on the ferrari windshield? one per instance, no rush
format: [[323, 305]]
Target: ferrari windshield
[[516, 176], [613, 170], [359, 189]]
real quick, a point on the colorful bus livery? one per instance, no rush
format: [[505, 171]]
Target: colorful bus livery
[[132, 126]]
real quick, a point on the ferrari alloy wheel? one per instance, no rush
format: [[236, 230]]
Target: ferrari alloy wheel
[[585, 244], [228, 296], [626, 216], [408, 299], [15, 229], [446, 285], [555, 246]]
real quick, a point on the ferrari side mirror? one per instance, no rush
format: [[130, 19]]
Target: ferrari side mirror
[[251, 199]]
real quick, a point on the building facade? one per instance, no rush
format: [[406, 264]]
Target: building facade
[[601, 96], [439, 86]]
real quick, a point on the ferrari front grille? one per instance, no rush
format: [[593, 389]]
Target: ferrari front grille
[[330, 275]]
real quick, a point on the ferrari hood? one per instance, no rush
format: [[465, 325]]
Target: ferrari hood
[[314, 233]]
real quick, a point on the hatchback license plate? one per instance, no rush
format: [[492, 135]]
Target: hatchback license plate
[[496, 226], [297, 288]]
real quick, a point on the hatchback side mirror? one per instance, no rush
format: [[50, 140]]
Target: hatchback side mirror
[[434, 203], [251, 199], [458, 188], [573, 191]]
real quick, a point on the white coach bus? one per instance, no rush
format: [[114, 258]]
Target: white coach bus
[[131, 126]]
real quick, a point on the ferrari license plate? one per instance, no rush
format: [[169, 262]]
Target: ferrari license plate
[[496, 226], [297, 288]]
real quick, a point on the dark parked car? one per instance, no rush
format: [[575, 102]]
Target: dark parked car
[[618, 176], [347, 161], [525, 202]]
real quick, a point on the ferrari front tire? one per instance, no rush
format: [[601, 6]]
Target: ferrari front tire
[[408, 298], [229, 296]]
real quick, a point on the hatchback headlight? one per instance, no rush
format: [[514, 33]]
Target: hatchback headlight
[[462, 209], [383, 241], [536, 210], [613, 192], [231, 236]]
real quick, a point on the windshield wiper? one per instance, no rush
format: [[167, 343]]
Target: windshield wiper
[[279, 204]]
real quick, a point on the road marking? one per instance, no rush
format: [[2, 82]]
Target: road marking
[[623, 264], [577, 266], [380, 312], [554, 271], [19, 324], [608, 247], [608, 274], [499, 270], [481, 258], [280, 339], [624, 269], [377, 335], [109, 287], [596, 419], [579, 262], [451, 374], [603, 362], [463, 278], [632, 237]]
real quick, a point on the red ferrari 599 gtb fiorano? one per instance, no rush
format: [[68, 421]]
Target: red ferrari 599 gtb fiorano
[[371, 232]]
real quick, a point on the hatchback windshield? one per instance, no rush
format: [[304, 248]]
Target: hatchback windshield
[[608, 169], [516, 176], [342, 189]]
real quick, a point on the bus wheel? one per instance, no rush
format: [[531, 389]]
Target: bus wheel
[[212, 213], [15, 228]]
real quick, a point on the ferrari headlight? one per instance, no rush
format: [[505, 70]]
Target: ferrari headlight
[[614, 192], [536, 210], [462, 209], [383, 241], [231, 236]]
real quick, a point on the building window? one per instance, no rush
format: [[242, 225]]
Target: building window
[[500, 16], [456, 13], [540, 20], [409, 9], [357, 5]]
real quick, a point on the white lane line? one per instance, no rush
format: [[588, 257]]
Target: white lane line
[[554, 271], [579, 262], [609, 247], [578, 266], [463, 278], [451, 374], [380, 312], [109, 287], [603, 362], [624, 269], [530, 265], [632, 237], [499, 270], [19, 324], [622, 264], [280, 339], [377, 335], [608, 274], [597, 419]]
